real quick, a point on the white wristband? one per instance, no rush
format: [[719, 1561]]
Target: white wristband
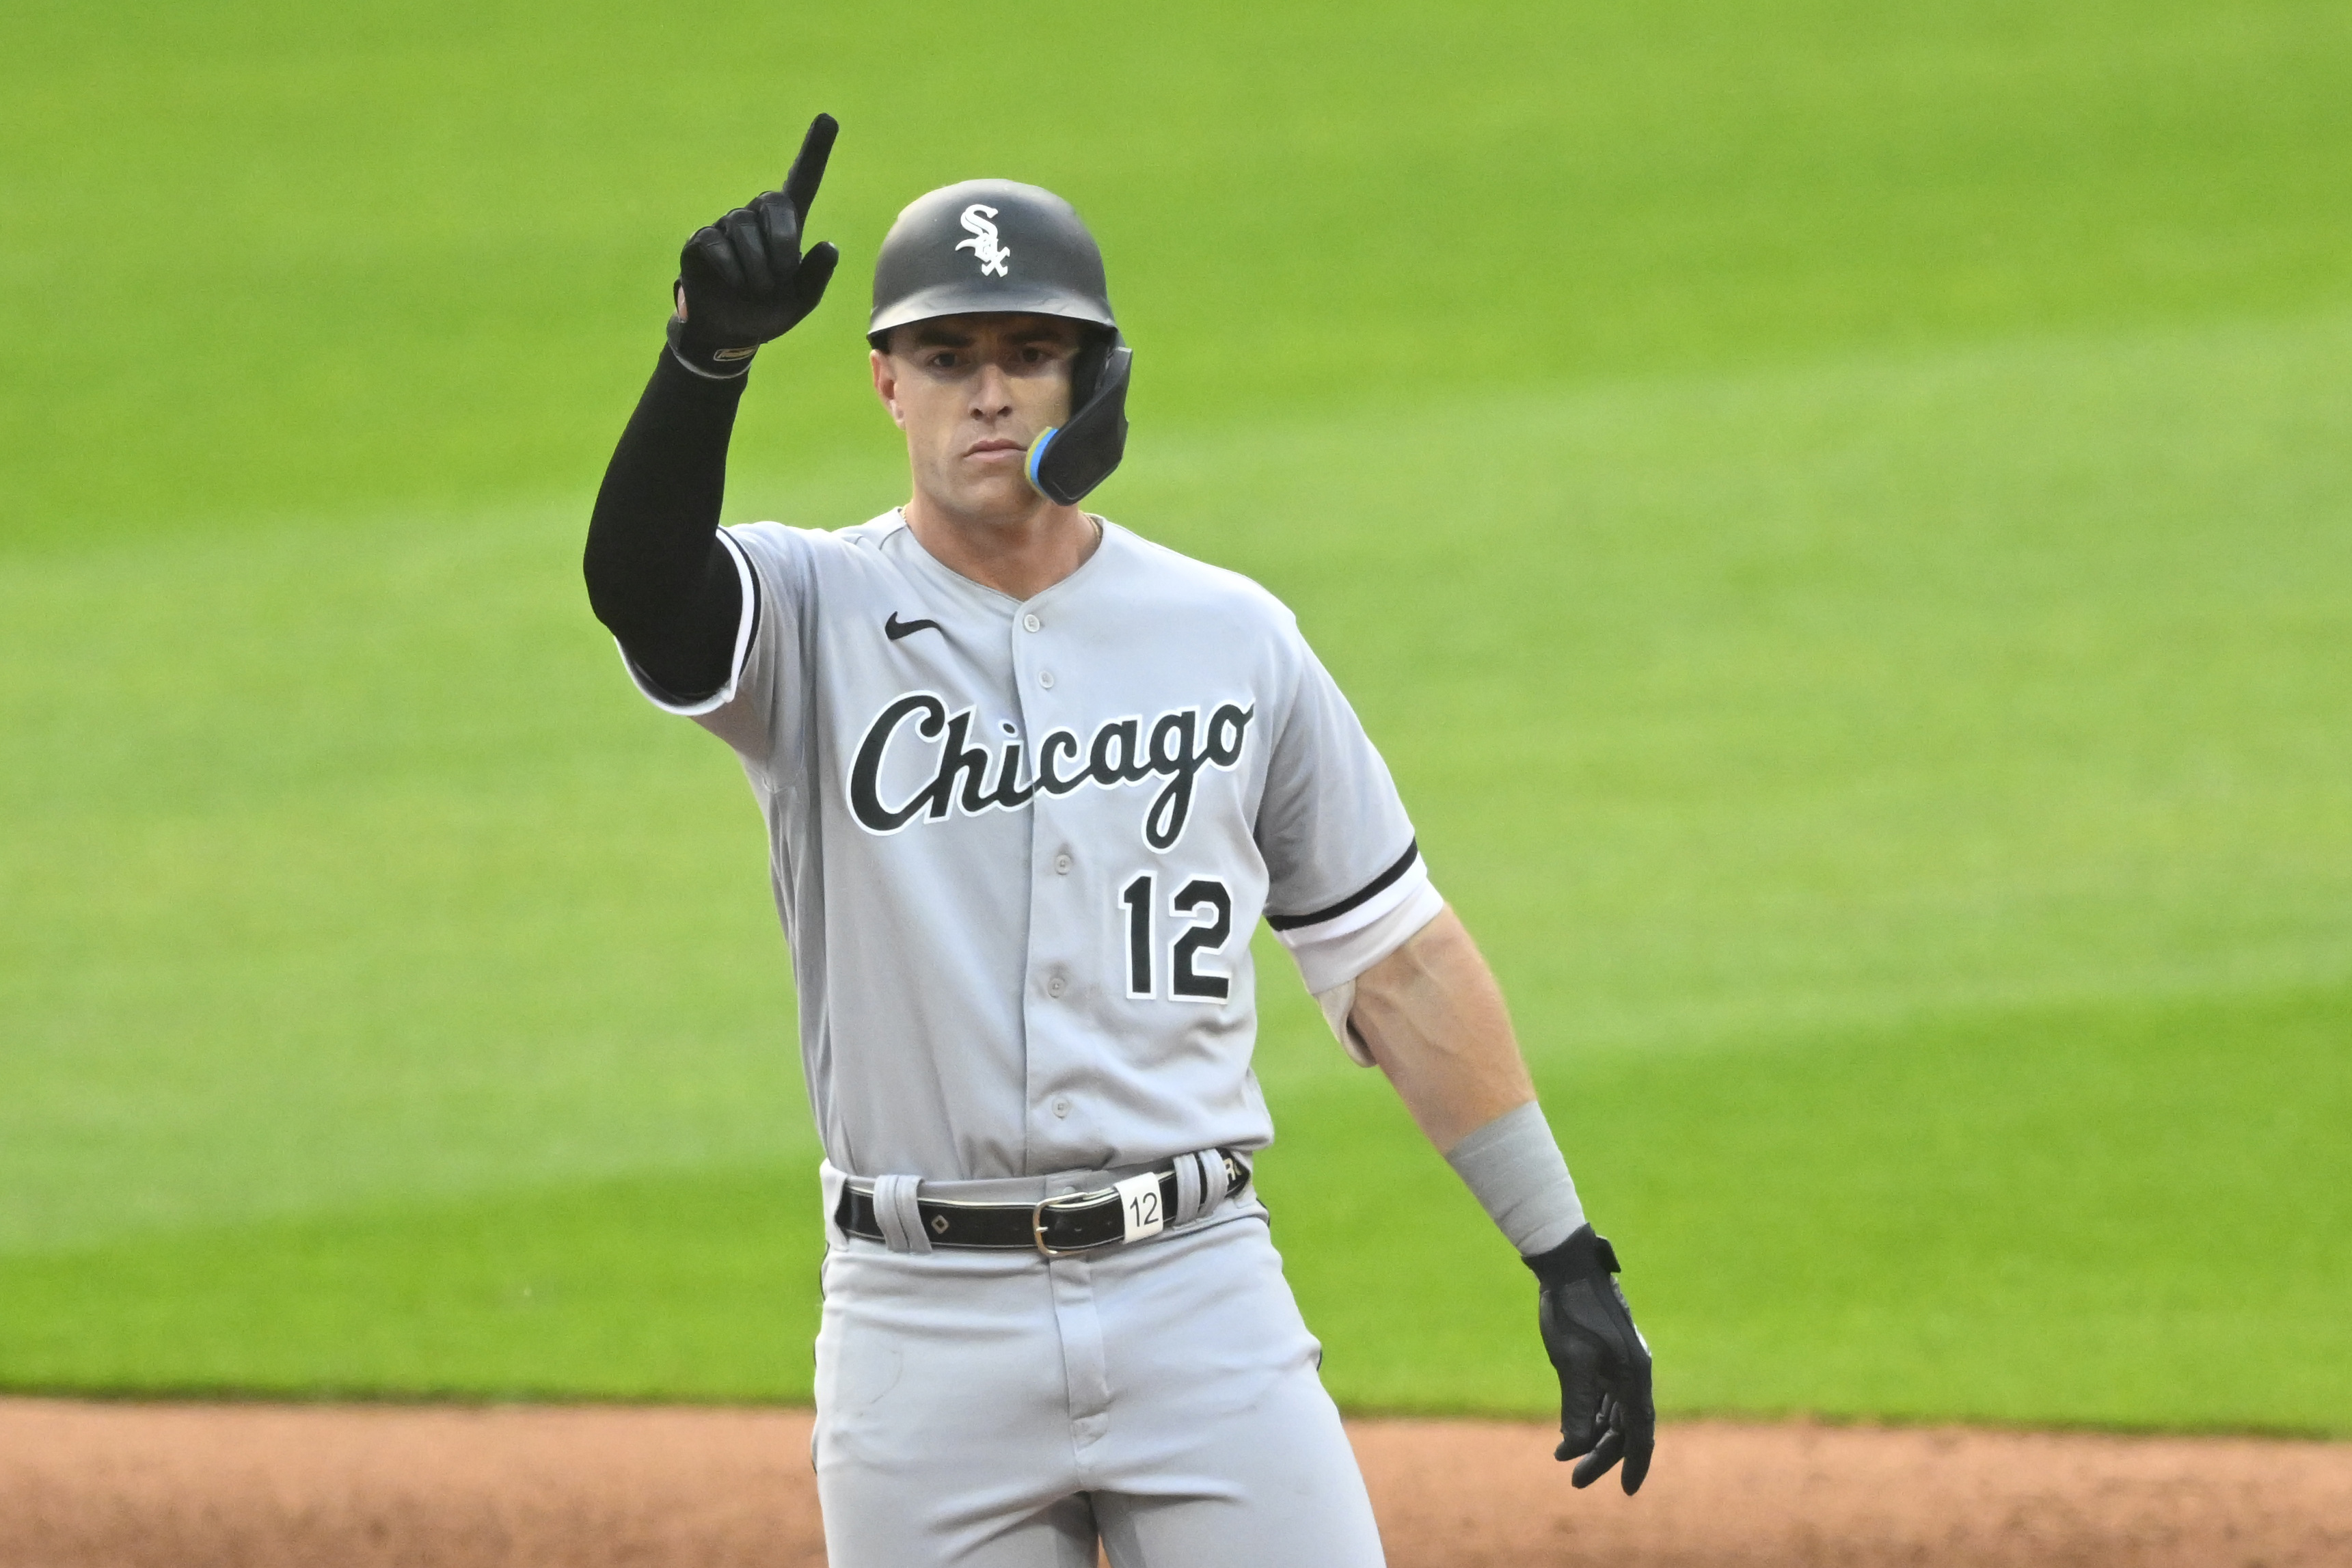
[[1514, 1166]]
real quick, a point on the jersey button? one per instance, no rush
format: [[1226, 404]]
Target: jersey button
[[1030, 623], [1062, 865], [1061, 1107], [1045, 678], [1056, 986]]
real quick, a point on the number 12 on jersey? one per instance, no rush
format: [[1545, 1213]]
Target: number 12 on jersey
[[1185, 982]]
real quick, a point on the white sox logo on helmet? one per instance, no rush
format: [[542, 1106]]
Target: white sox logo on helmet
[[992, 255]]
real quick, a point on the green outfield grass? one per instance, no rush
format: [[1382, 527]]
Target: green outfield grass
[[1841, 521]]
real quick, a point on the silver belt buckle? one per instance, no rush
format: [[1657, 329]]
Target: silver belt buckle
[[1066, 1201]]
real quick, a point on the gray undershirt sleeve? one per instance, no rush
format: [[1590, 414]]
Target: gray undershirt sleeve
[[1515, 1167]]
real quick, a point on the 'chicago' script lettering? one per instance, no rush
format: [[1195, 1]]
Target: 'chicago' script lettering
[[969, 777]]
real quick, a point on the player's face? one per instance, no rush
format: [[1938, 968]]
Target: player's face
[[972, 392]]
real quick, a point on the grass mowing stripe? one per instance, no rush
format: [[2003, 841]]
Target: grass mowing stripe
[[354, 872], [419, 251], [699, 1285], [2065, 1216]]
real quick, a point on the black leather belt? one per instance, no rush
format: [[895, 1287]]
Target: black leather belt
[[1074, 1222]]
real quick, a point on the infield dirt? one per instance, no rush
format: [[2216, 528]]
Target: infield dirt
[[260, 1486]]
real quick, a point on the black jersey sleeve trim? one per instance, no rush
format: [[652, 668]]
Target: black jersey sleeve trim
[[1364, 894]]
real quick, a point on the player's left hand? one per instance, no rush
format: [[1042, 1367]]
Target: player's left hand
[[1606, 1413]]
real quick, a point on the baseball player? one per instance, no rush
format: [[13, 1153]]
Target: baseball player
[[1030, 781]]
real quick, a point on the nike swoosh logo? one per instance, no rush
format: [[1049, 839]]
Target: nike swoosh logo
[[895, 629]]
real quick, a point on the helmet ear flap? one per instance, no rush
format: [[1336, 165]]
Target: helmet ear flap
[[1067, 462]]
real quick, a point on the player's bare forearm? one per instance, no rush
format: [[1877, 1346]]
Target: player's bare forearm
[[1435, 1023]]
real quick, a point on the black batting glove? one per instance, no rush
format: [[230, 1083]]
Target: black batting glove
[[743, 280], [1606, 1413]]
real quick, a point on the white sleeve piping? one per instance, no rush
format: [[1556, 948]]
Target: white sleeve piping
[[1337, 950]]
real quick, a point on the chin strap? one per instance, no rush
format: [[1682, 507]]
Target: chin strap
[[1070, 459]]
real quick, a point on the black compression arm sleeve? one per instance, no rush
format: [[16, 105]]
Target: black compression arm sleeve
[[657, 576]]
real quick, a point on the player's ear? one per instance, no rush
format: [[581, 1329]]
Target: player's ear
[[885, 386]]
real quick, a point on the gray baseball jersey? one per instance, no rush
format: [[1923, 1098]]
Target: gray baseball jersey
[[1019, 847]]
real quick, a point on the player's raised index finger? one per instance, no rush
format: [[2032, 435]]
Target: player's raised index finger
[[808, 169]]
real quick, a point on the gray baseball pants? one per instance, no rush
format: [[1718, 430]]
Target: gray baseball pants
[[999, 1410]]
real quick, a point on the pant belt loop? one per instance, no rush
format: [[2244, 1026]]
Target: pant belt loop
[[1215, 1178], [895, 1210], [1188, 1190]]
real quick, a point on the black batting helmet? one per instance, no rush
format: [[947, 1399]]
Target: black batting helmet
[[1001, 246], [988, 245]]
